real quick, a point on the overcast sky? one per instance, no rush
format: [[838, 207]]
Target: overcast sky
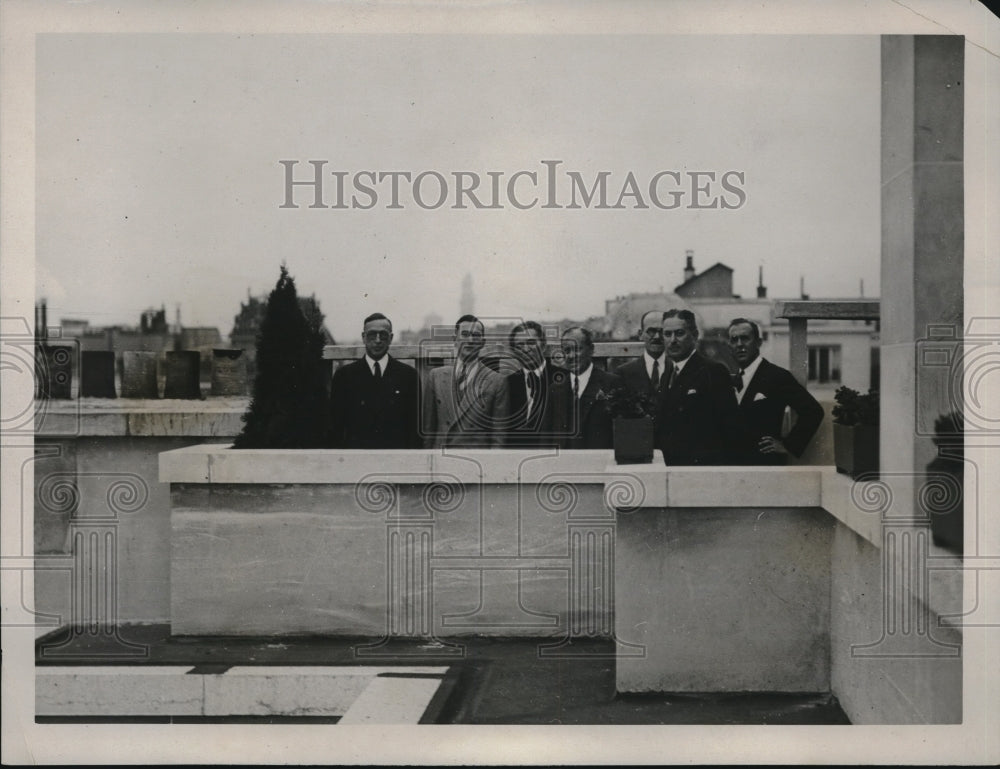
[[159, 183]]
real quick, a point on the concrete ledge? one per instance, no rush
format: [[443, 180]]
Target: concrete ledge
[[210, 418], [377, 695], [219, 463]]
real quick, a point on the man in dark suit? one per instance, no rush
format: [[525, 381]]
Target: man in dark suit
[[581, 415], [697, 422], [373, 401], [763, 391], [646, 374], [530, 390]]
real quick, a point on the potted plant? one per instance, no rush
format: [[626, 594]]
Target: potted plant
[[947, 502], [855, 431], [289, 405], [632, 415]]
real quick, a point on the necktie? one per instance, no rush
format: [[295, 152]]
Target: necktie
[[738, 381], [655, 378], [576, 387], [532, 390], [378, 371], [673, 376]]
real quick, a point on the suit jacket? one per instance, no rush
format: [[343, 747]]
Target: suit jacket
[[587, 424], [370, 414], [771, 389], [697, 422], [538, 428], [473, 417], [637, 380]]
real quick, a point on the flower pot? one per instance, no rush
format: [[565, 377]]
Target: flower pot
[[945, 502], [633, 441], [855, 449]]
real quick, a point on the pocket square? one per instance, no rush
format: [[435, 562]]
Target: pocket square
[[760, 397], [692, 392]]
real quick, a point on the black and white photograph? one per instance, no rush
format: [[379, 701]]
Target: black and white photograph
[[511, 365]]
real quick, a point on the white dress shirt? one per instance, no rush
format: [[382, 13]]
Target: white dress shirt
[[584, 378], [382, 363], [662, 360], [748, 373]]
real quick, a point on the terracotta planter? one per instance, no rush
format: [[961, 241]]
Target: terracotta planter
[[855, 449], [633, 441]]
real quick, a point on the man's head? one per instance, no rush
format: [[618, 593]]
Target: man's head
[[469, 338], [527, 340], [377, 335], [680, 334], [651, 332], [744, 341], [577, 348]]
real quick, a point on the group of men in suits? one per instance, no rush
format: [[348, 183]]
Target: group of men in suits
[[704, 416]]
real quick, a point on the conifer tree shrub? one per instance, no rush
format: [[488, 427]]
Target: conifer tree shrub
[[289, 404]]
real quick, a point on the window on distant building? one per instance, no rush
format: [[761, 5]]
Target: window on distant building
[[824, 364]]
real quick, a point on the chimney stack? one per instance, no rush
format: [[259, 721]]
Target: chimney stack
[[761, 288], [689, 265]]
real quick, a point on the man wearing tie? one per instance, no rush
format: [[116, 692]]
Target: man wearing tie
[[581, 416], [763, 391], [530, 389], [697, 422], [465, 404], [373, 401], [646, 374]]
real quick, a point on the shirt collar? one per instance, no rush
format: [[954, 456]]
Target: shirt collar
[[648, 360], [584, 378], [537, 372], [382, 363], [750, 370], [748, 373], [464, 369], [680, 364]]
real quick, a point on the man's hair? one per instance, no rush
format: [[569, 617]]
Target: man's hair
[[642, 318], [466, 319], [524, 328], [685, 315], [588, 335], [376, 316], [752, 324]]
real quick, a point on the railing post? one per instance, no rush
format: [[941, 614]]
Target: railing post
[[798, 351]]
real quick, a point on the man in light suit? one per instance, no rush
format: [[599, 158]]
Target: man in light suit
[[531, 389], [763, 391], [697, 422], [645, 375], [465, 404], [373, 401], [581, 416]]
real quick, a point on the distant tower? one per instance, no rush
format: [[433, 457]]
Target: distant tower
[[761, 288], [862, 288], [802, 288], [177, 329], [689, 265], [468, 302]]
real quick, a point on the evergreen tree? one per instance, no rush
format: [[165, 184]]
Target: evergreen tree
[[289, 404]]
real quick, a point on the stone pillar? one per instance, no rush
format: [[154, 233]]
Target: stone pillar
[[229, 372], [922, 238], [55, 371], [139, 375], [97, 374], [183, 375]]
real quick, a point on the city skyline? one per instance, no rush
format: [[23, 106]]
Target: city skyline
[[160, 178]]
